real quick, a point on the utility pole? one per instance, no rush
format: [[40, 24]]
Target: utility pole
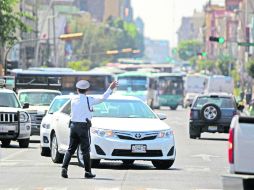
[[54, 35]]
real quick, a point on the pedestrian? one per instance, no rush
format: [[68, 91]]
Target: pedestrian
[[81, 108]]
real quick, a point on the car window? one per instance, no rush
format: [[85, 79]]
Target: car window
[[37, 98], [67, 108], [221, 102], [57, 104], [9, 100], [122, 109]]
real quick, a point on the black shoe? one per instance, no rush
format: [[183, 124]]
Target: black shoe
[[89, 175], [64, 173]]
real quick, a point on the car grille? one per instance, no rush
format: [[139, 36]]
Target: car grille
[[149, 153], [36, 118], [139, 136], [8, 117]]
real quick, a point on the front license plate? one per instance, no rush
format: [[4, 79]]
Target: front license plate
[[138, 148], [212, 128], [6, 128]]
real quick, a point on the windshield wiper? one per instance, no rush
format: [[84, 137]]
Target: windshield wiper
[[4, 106]]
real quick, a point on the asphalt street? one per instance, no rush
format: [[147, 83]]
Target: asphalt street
[[199, 165]]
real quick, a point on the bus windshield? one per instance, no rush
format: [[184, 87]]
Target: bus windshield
[[136, 83], [171, 85]]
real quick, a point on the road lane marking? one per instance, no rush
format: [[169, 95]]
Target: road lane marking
[[197, 169], [205, 157]]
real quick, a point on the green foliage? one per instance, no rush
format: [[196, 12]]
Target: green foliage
[[188, 49], [250, 67], [223, 64], [10, 22], [83, 65], [207, 65], [98, 38]]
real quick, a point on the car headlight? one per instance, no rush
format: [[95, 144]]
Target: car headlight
[[23, 117], [46, 125], [165, 134], [103, 132]]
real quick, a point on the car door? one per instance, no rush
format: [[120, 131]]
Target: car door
[[63, 126]]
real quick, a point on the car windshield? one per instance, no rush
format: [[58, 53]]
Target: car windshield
[[37, 98], [221, 102], [123, 109], [57, 104], [132, 83], [9, 100]]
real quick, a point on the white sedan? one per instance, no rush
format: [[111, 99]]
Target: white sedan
[[124, 128], [45, 128]]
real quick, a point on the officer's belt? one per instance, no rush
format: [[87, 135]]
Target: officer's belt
[[79, 123]]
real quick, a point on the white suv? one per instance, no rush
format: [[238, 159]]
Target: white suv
[[39, 101], [15, 123]]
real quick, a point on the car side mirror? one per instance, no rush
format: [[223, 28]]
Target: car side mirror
[[26, 105], [162, 116]]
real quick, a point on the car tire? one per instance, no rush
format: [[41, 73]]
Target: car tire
[[56, 156], [173, 107], [94, 162], [215, 116], [128, 162], [163, 164], [195, 136], [45, 151], [24, 143], [5, 143]]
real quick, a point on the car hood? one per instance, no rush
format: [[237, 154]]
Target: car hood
[[129, 124], [9, 109], [37, 109]]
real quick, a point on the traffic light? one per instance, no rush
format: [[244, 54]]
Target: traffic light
[[220, 40], [203, 54]]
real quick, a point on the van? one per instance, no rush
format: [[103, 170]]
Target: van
[[220, 84]]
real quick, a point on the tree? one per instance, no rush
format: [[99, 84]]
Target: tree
[[250, 67], [82, 65], [10, 23], [188, 49]]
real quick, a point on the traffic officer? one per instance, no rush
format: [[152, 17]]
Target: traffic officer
[[80, 125]]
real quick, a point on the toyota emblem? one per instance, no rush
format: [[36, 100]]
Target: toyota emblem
[[138, 136]]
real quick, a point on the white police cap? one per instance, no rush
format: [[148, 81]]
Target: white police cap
[[83, 84]]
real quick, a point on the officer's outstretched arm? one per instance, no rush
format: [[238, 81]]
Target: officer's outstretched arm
[[106, 94]]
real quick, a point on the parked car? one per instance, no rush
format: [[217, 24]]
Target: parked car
[[56, 104], [240, 155], [124, 128], [15, 122], [39, 101], [212, 113]]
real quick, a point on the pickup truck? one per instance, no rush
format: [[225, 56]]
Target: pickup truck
[[240, 154]]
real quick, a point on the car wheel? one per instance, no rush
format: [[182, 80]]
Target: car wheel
[[45, 151], [173, 107], [55, 155], [195, 136], [128, 162], [210, 112], [24, 143], [94, 162], [6, 142], [162, 164]]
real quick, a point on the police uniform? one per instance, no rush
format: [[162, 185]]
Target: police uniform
[[79, 130]]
